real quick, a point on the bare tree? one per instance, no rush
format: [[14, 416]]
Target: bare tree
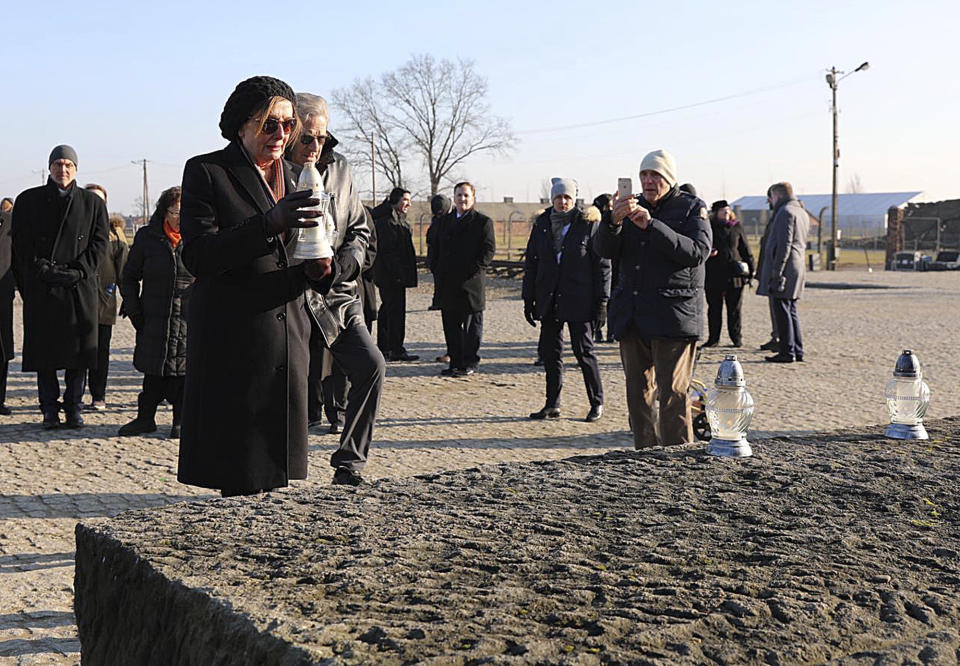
[[367, 127], [854, 186], [435, 111]]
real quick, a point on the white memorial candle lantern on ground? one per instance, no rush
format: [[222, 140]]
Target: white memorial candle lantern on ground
[[729, 409], [313, 242], [908, 397]]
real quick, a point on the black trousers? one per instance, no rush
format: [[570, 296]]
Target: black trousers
[[336, 387], [463, 332], [391, 319], [733, 297], [364, 367], [788, 326], [4, 367], [551, 352], [156, 389], [97, 380], [48, 389]]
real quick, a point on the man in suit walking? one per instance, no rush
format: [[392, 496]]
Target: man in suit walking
[[784, 271]]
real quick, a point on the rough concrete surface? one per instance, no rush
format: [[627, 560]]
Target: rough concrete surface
[[844, 548], [50, 480]]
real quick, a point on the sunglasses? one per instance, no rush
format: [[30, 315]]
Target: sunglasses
[[307, 139], [270, 125]]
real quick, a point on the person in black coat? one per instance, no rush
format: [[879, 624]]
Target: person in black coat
[[729, 268], [440, 207], [395, 271], [155, 286], [466, 245], [7, 287], [565, 281], [244, 424], [108, 275], [59, 237], [604, 204]]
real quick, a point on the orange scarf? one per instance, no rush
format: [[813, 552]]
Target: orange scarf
[[172, 234]]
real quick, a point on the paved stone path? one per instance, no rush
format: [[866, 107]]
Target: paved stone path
[[50, 479]]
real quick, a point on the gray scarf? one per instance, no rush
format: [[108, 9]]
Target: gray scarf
[[557, 223]]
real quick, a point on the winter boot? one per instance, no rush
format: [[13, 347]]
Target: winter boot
[[145, 421]]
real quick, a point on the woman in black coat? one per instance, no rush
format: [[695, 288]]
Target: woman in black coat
[[245, 397], [725, 276], [155, 286]]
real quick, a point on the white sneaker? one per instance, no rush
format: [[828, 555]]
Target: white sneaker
[[99, 406]]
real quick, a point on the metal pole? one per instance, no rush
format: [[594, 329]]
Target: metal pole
[[836, 166]]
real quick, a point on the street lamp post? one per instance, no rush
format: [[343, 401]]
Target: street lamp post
[[834, 76]]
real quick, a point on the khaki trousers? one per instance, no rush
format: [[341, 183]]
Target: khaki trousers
[[661, 369]]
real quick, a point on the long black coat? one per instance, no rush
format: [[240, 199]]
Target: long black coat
[[155, 286], [245, 400], [7, 288], [367, 285], [578, 283], [59, 323], [731, 245], [396, 264], [465, 247], [660, 291]]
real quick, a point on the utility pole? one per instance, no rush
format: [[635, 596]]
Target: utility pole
[[832, 81], [373, 168], [832, 259], [146, 191]]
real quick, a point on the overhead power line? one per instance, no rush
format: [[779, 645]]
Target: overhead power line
[[647, 114]]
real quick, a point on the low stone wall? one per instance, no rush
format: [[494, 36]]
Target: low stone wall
[[837, 548]]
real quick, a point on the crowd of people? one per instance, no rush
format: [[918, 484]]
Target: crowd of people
[[213, 284]]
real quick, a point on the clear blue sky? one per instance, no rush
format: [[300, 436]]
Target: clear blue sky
[[125, 81]]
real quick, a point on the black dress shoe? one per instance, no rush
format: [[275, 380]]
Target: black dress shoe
[[73, 420], [51, 420], [137, 426], [772, 345], [175, 431], [403, 357], [594, 414], [346, 477], [449, 372], [469, 370], [798, 358], [546, 413], [334, 429], [779, 358], [710, 343], [5, 411]]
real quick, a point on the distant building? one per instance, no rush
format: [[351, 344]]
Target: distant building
[[860, 215]]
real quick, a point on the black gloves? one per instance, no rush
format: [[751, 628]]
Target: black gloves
[[601, 318], [57, 275], [530, 313], [287, 214]]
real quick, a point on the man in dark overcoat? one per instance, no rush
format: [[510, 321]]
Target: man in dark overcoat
[[465, 247], [7, 288], [565, 281], [60, 232], [784, 269], [395, 271]]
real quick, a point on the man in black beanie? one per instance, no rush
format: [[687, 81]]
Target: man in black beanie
[[59, 231]]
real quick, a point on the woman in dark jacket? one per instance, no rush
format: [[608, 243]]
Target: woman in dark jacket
[[156, 289], [245, 397], [6, 301], [729, 268], [108, 273]]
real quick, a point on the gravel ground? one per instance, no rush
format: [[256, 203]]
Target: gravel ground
[[430, 424]]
